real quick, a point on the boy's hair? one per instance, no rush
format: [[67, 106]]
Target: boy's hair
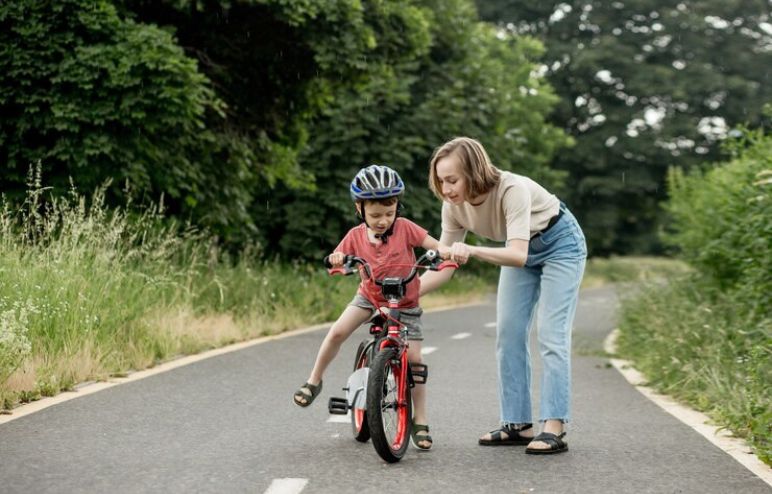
[[478, 171], [385, 201]]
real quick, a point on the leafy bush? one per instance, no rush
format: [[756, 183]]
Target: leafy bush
[[95, 96], [721, 220]]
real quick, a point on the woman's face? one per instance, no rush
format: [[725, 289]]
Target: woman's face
[[452, 182]]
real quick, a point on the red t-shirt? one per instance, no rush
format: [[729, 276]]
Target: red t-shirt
[[394, 258]]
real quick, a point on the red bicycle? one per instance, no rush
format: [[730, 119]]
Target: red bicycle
[[378, 391]]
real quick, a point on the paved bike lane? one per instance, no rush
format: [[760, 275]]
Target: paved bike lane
[[227, 424]]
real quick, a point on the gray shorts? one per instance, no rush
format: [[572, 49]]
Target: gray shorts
[[411, 318]]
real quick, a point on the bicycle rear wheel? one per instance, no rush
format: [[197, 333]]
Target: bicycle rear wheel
[[358, 416], [389, 405]]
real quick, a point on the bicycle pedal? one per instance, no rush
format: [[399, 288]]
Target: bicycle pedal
[[420, 373], [338, 406]]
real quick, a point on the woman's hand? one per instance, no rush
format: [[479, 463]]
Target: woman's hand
[[460, 252], [443, 251]]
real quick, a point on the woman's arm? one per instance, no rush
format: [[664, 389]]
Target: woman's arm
[[515, 254], [431, 280]]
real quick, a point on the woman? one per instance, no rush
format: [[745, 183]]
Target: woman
[[542, 263]]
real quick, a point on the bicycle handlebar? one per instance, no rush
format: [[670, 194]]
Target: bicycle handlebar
[[435, 264]]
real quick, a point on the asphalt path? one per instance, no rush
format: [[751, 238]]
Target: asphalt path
[[228, 424]]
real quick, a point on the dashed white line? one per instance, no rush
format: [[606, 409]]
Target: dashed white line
[[460, 336], [428, 349], [286, 486], [490, 325]]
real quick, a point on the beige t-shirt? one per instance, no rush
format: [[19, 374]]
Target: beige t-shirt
[[516, 208]]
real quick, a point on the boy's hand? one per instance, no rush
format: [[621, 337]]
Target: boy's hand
[[336, 259]]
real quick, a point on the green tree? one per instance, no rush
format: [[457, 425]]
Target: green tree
[[470, 80], [95, 97], [643, 86], [333, 86]]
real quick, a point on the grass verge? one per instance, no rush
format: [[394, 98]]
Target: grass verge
[[88, 292], [702, 347]]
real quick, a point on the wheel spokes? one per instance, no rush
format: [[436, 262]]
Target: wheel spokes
[[390, 405]]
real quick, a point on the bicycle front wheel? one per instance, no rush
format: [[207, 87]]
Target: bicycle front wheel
[[389, 405], [358, 416]]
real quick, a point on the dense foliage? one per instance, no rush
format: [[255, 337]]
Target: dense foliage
[[643, 85], [722, 220], [252, 116], [94, 97], [708, 338]]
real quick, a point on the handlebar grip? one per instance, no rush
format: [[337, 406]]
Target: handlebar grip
[[346, 260], [447, 264]]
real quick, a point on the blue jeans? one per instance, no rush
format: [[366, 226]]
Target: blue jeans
[[546, 288]]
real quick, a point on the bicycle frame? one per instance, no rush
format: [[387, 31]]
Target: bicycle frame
[[395, 337]]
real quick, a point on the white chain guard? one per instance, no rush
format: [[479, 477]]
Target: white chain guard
[[356, 393]]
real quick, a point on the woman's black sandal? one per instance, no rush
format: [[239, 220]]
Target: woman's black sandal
[[555, 442], [420, 438], [315, 390], [513, 436]]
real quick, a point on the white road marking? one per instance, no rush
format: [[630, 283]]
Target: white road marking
[[340, 419], [336, 436], [460, 336], [428, 349], [490, 325], [286, 486]]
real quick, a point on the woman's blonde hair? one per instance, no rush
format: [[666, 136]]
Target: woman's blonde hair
[[479, 173]]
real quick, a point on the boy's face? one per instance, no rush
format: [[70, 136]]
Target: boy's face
[[379, 217]]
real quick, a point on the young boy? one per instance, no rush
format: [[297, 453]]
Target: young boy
[[382, 239]]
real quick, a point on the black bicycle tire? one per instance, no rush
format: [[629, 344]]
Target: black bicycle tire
[[361, 434], [375, 386]]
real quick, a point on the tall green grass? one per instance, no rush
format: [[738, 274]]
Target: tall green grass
[[707, 338], [702, 347], [87, 292]]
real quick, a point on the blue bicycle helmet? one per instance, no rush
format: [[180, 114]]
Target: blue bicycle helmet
[[376, 182]]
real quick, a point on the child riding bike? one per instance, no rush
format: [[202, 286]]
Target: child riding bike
[[383, 239]]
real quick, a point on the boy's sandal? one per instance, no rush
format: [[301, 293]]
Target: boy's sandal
[[416, 438], [513, 436], [310, 396], [555, 442]]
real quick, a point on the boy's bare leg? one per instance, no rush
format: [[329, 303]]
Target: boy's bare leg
[[350, 319], [419, 391]]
